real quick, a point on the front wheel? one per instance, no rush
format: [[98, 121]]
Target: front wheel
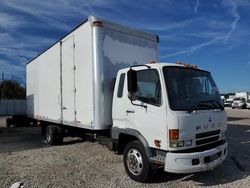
[[136, 162]]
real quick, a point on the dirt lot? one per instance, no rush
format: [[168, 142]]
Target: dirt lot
[[25, 157]]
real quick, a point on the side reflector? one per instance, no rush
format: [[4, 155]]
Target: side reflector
[[157, 143], [174, 134]]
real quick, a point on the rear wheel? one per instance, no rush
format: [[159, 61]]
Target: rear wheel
[[8, 122], [54, 135], [136, 162], [43, 128]]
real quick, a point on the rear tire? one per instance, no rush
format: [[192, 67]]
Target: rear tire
[[59, 138], [8, 122], [54, 135], [136, 162], [43, 129]]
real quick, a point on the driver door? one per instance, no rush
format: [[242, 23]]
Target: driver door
[[147, 113]]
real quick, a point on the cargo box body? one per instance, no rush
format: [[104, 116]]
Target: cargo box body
[[70, 83]]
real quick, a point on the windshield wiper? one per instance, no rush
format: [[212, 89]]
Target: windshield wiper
[[219, 104], [206, 104]]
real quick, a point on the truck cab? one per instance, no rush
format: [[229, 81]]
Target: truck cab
[[168, 116], [248, 104]]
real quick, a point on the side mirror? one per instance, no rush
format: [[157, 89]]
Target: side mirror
[[132, 81]]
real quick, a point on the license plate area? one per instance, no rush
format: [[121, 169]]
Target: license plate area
[[212, 158]]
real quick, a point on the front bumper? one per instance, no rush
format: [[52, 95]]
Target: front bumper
[[183, 162], [238, 105]]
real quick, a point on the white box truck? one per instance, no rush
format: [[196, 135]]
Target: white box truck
[[240, 100], [242, 95], [159, 115]]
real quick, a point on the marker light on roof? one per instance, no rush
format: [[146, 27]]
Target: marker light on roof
[[97, 24], [152, 62], [194, 66]]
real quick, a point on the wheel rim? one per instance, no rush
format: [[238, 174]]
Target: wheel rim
[[48, 135], [134, 162]]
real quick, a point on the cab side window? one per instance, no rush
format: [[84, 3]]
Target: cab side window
[[121, 85], [149, 87]]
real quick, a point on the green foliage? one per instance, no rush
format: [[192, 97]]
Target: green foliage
[[12, 89]]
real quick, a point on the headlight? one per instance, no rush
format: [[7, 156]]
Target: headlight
[[189, 142], [180, 143], [223, 134], [176, 143]]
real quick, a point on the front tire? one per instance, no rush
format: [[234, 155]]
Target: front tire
[[136, 162]]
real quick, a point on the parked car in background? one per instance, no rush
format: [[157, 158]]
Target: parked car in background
[[228, 102], [248, 104], [239, 103]]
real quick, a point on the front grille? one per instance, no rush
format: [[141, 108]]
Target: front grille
[[203, 147], [207, 137]]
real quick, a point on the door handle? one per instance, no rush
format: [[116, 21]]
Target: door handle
[[130, 111], [64, 108], [59, 99]]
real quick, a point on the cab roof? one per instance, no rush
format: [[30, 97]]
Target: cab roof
[[164, 64]]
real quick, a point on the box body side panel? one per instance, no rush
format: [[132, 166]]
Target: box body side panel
[[32, 83], [84, 76], [43, 85], [96, 55]]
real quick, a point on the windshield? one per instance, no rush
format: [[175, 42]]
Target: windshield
[[190, 89], [239, 99]]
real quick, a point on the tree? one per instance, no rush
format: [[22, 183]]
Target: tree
[[12, 89]]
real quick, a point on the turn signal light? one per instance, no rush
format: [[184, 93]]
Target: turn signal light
[[173, 133]]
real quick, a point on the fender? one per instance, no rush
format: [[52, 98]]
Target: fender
[[132, 132]]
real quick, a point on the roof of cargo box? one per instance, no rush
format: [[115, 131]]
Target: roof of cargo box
[[125, 29], [109, 25]]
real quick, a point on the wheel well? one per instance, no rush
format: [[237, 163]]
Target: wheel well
[[123, 140]]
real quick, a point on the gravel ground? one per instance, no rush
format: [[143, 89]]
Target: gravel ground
[[25, 157]]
